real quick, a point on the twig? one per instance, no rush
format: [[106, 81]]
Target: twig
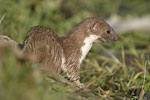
[[142, 91], [2, 18], [144, 74]]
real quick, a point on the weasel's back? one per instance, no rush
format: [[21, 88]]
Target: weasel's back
[[44, 44]]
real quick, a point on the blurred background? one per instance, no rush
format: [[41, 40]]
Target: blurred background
[[112, 71], [62, 15]]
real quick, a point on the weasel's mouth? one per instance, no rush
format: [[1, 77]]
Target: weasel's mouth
[[106, 39], [101, 40]]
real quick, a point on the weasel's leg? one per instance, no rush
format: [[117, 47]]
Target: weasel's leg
[[74, 75]]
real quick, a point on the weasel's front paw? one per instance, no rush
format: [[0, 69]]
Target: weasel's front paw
[[80, 85]]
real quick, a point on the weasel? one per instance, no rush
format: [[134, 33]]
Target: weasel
[[67, 53]]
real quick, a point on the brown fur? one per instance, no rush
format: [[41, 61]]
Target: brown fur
[[44, 43]]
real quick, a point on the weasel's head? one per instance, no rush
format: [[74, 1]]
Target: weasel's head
[[103, 31]]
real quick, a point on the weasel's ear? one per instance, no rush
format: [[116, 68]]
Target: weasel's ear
[[95, 27]]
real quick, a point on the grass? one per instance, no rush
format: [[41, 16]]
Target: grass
[[111, 71]]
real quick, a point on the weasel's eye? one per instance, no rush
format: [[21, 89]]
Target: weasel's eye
[[108, 31]]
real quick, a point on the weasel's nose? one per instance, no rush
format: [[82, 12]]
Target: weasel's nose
[[116, 38]]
